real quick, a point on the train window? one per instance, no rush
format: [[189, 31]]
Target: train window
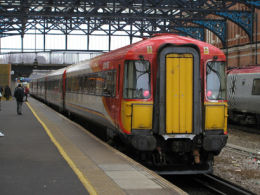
[[69, 84], [256, 87], [73, 84], [90, 82], [81, 83], [216, 81], [137, 80], [99, 83], [110, 83], [76, 84]]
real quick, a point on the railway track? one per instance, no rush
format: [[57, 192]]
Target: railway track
[[219, 185], [243, 151], [254, 130], [206, 184]]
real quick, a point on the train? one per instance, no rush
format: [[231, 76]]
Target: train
[[164, 96], [244, 95]]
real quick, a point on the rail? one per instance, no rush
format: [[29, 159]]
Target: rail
[[245, 128], [243, 151], [220, 186]]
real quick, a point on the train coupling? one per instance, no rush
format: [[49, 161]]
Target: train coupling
[[159, 157], [196, 155]]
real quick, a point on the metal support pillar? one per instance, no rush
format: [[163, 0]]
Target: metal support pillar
[[256, 39], [66, 41], [109, 36], [22, 36], [44, 37], [88, 37], [131, 33], [66, 36]]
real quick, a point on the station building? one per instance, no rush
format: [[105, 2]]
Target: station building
[[240, 51]]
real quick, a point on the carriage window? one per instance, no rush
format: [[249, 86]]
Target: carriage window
[[110, 83], [81, 83], [68, 84], [91, 83], [216, 81], [99, 83], [256, 87], [137, 80]]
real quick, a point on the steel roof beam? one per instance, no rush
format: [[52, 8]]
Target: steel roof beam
[[147, 16]]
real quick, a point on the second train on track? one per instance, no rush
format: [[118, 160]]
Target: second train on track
[[164, 96]]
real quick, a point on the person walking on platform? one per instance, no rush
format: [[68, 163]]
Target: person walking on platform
[[8, 92], [26, 92], [19, 94]]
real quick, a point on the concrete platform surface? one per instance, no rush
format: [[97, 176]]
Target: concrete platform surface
[[43, 152]]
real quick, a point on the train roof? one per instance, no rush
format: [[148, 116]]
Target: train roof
[[133, 51], [79, 66], [156, 42], [245, 70]]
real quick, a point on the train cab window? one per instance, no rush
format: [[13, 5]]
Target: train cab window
[[137, 80], [256, 87], [216, 81]]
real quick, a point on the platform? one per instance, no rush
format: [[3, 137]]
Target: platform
[[43, 152]]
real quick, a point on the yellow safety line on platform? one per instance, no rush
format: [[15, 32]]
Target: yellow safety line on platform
[[80, 175]]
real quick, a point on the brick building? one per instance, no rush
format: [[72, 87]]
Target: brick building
[[240, 51]]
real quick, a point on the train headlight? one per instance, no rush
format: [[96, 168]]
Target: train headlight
[[146, 93], [209, 93]]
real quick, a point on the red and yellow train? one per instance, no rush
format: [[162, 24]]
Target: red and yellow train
[[165, 96]]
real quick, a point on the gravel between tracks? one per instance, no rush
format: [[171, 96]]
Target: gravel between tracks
[[241, 169]]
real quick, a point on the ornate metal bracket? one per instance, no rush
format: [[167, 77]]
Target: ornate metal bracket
[[216, 26], [243, 19], [195, 32], [254, 3]]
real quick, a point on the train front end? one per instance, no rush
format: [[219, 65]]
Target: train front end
[[178, 118]]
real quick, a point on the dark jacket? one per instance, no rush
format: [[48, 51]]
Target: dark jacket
[[19, 94], [7, 92]]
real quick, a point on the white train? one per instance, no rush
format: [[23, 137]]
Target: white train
[[244, 95]]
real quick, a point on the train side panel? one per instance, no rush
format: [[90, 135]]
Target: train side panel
[[87, 90], [54, 88], [244, 95]]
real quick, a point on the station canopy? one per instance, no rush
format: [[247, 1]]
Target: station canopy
[[132, 18]]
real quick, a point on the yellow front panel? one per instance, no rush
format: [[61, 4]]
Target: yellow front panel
[[179, 93], [142, 116], [126, 115], [216, 116], [136, 115]]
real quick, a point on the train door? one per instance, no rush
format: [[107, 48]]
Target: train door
[[178, 107], [179, 96]]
